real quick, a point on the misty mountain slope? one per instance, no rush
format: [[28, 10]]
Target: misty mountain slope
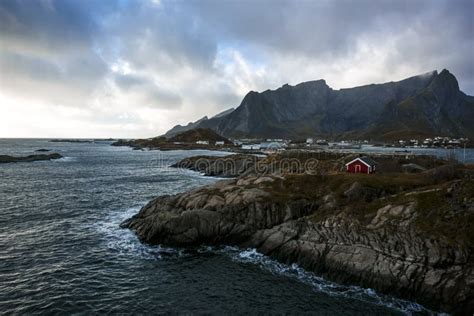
[[180, 128], [358, 108], [191, 125], [426, 104]]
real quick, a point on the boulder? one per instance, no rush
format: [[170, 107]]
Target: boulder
[[30, 158], [359, 192], [412, 168]]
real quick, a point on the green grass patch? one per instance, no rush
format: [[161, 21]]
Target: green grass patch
[[446, 216], [439, 215]]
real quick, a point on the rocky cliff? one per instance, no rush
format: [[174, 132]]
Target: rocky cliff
[[406, 235], [439, 109], [180, 128], [192, 125]]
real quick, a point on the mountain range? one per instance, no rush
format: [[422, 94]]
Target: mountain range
[[429, 104]]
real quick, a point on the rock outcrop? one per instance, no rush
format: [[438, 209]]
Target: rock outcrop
[[396, 243], [30, 158], [199, 138], [226, 167]]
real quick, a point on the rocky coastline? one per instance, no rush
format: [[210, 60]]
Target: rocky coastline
[[188, 140], [74, 141], [225, 167], [165, 146], [408, 235], [29, 158]]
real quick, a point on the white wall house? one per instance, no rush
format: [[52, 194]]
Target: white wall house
[[251, 147]]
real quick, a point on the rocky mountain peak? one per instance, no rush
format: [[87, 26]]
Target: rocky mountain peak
[[425, 104], [445, 87], [448, 79]]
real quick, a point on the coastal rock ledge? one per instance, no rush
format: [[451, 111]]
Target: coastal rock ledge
[[414, 242], [30, 158]]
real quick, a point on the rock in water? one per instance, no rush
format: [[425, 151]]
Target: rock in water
[[30, 158]]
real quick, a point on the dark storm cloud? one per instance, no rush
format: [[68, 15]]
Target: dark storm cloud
[[47, 49], [164, 36], [127, 82], [19, 65], [150, 95], [66, 84], [51, 25], [436, 34], [311, 27]]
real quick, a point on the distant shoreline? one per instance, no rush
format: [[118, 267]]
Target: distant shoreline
[[369, 150]]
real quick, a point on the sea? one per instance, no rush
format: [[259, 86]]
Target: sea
[[462, 155], [62, 250]]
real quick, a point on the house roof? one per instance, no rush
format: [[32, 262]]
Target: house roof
[[366, 160]]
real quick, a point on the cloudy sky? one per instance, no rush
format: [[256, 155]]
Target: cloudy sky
[[80, 68]]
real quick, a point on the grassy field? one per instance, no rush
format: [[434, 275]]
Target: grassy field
[[443, 198]]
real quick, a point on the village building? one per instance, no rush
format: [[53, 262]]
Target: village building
[[361, 165], [322, 142], [272, 147], [250, 147]]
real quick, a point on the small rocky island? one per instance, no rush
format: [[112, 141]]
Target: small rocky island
[[74, 141], [200, 138], [30, 158], [408, 234]]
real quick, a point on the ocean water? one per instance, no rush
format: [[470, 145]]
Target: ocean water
[[463, 155], [62, 251]]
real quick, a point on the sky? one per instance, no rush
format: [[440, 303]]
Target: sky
[[131, 69]]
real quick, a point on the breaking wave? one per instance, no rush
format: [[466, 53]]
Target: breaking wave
[[125, 243]]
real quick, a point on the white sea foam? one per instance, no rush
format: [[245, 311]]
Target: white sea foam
[[64, 159], [125, 242]]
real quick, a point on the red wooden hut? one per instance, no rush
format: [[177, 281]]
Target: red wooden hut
[[361, 165]]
